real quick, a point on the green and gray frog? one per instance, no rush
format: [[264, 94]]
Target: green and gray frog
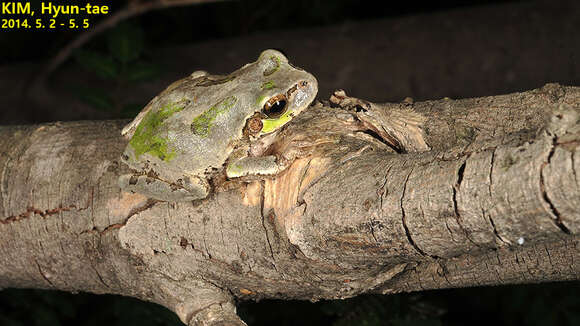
[[204, 123]]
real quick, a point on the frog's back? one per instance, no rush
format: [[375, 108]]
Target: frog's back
[[195, 124], [190, 127]]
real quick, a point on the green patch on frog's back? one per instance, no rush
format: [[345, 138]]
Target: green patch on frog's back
[[146, 138], [202, 124], [268, 85]]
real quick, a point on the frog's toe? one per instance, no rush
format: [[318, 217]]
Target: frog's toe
[[263, 165]]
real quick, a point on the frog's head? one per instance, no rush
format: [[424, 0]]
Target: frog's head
[[285, 91]]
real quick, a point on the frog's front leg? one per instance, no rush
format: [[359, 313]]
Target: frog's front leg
[[250, 165], [186, 189]]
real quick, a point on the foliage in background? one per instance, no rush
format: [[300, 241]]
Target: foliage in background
[[219, 20], [53, 308], [530, 305], [122, 66], [120, 59]]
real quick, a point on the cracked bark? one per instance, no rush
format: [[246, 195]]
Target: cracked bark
[[350, 215]]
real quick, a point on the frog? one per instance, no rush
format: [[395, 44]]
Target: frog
[[205, 124]]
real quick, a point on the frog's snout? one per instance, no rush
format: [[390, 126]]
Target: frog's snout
[[302, 93], [303, 85]]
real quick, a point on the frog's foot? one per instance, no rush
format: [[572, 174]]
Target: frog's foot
[[253, 165], [186, 190]]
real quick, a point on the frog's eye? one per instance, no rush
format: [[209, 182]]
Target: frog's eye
[[276, 106]]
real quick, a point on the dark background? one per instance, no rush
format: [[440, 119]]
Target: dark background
[[381, 51]]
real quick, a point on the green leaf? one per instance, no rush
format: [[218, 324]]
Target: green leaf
[[126, 42], [141, 71], [6, 321], [409, 321], [96, 98], [101, 65]]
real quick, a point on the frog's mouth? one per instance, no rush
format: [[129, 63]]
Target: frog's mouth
[[281, 108]]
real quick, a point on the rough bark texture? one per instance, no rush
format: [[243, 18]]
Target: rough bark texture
[[494, 201]]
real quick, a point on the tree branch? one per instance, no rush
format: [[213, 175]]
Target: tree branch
[[492, 199]]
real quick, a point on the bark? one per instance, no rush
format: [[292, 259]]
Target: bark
[[360, 209]]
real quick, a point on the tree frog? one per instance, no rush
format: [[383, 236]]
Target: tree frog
[[205, 123]]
